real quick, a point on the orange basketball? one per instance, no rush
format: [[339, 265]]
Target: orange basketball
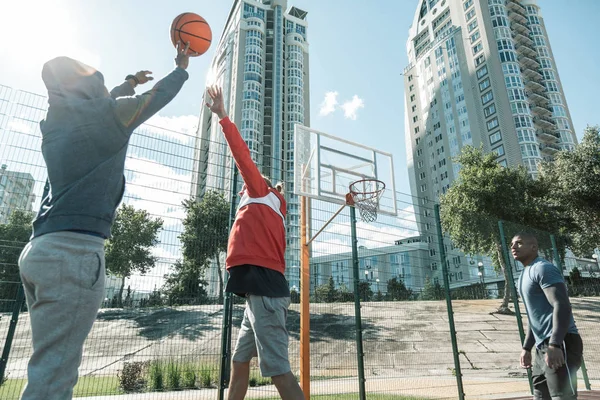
[[190, 27]]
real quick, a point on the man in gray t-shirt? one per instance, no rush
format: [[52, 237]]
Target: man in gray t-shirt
[[558, 346]]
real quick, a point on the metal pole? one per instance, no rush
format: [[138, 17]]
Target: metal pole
[[459, 383], [304, 300], [357, 315], [227, 307], [11, 329], [558, 263], [513, 289]]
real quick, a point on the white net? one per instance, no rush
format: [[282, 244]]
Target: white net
[[366, 194]]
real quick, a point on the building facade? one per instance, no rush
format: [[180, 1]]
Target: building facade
[[261, 62], [480, 73], [16, 192]]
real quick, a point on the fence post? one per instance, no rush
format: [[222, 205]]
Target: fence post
[[227, 307], [513, 290], [357, 314], [558, 263], [459, 383], [11, 330]]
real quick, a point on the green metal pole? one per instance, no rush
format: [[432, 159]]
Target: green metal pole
[[513, 289], [357, 315], [442, 249], [227, 307], [558, 263], [11, 329]]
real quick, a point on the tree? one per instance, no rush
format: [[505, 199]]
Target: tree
[[327, 292], [432, 291], [134, 233], [205, 233], [486, 192], [396, 290], [574, 180], [13, 237], [185, 285], [365, 291]]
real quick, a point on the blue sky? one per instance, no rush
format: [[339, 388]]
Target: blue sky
[[357, 48]]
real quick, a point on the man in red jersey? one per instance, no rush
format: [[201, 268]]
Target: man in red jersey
[[255, 263]]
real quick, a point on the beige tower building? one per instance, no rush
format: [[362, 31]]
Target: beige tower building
[[481, 73]]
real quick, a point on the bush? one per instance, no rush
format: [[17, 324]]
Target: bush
[[189, 376], [206, 377], [173, 375], [131, 377], [156, 376]]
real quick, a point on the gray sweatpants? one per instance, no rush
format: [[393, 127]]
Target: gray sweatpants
[[63, 274]]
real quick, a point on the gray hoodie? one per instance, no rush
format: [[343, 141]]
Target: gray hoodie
[[84, 143]]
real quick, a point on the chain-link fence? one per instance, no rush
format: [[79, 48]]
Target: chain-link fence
[[428, 327]]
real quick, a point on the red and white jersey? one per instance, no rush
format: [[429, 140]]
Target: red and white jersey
[[257, 236]]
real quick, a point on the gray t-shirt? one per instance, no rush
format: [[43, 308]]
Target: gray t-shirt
[[540, 275]]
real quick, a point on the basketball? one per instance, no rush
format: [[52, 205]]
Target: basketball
[[190, 27]]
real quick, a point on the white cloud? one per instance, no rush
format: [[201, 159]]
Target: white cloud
[[329, 103], [157, 188], [351, 107], [181, 128]]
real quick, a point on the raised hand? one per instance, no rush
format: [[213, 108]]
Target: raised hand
[[143, 76], [218, 105], [183, 56]]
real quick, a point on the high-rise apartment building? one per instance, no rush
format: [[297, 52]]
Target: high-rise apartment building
[[261, 62], [16, 192], [481, 73]]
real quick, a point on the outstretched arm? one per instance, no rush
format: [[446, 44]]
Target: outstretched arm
[[256, 185], [134, 111], [131, 81]]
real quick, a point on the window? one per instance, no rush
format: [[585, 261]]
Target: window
[[484, 84], [419, 152], [470, 14], [487, 97], [505, 45], [422, 175], [416, 130], [423, 188], [472, 26], [503, 163], [412, 97], [548, 75], [519, 107], [495, 137], [545, 63], [508, 56], [468, 4], [539, 41], [420, 164], [542, 52], [499, 151], [523, 121], [489, 110], [415, 118], [493, 123], [475, 36], [529, 150], [414, 108], [477, 48], [411, 88], [551, 86], [479, 60], [481, 72]]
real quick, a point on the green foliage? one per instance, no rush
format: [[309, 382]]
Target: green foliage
[[132, 376], [156, 379], [207, 376], [173, 375], [471, 292], [204, 238], [486, 192], [134, 233], [574, 183], [13, 237], [189, 376], [574, 275], [396, 290], [327, 293], [432, 291], [365, 291]]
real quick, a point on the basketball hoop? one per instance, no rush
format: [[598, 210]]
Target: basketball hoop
[[365, 194]]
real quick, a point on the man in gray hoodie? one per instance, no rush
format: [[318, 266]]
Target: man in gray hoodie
[[84, 142]]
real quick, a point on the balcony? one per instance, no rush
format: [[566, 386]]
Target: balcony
[[544, 122], [526, 51], [537, 97], [541, 110], [549, 148], [515, 5], [519, 27], [547, 136], [522, 39], [535, 86], [527, 61], [517, 17], [531, 73]]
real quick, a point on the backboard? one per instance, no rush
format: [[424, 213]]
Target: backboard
[[325, 166]]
